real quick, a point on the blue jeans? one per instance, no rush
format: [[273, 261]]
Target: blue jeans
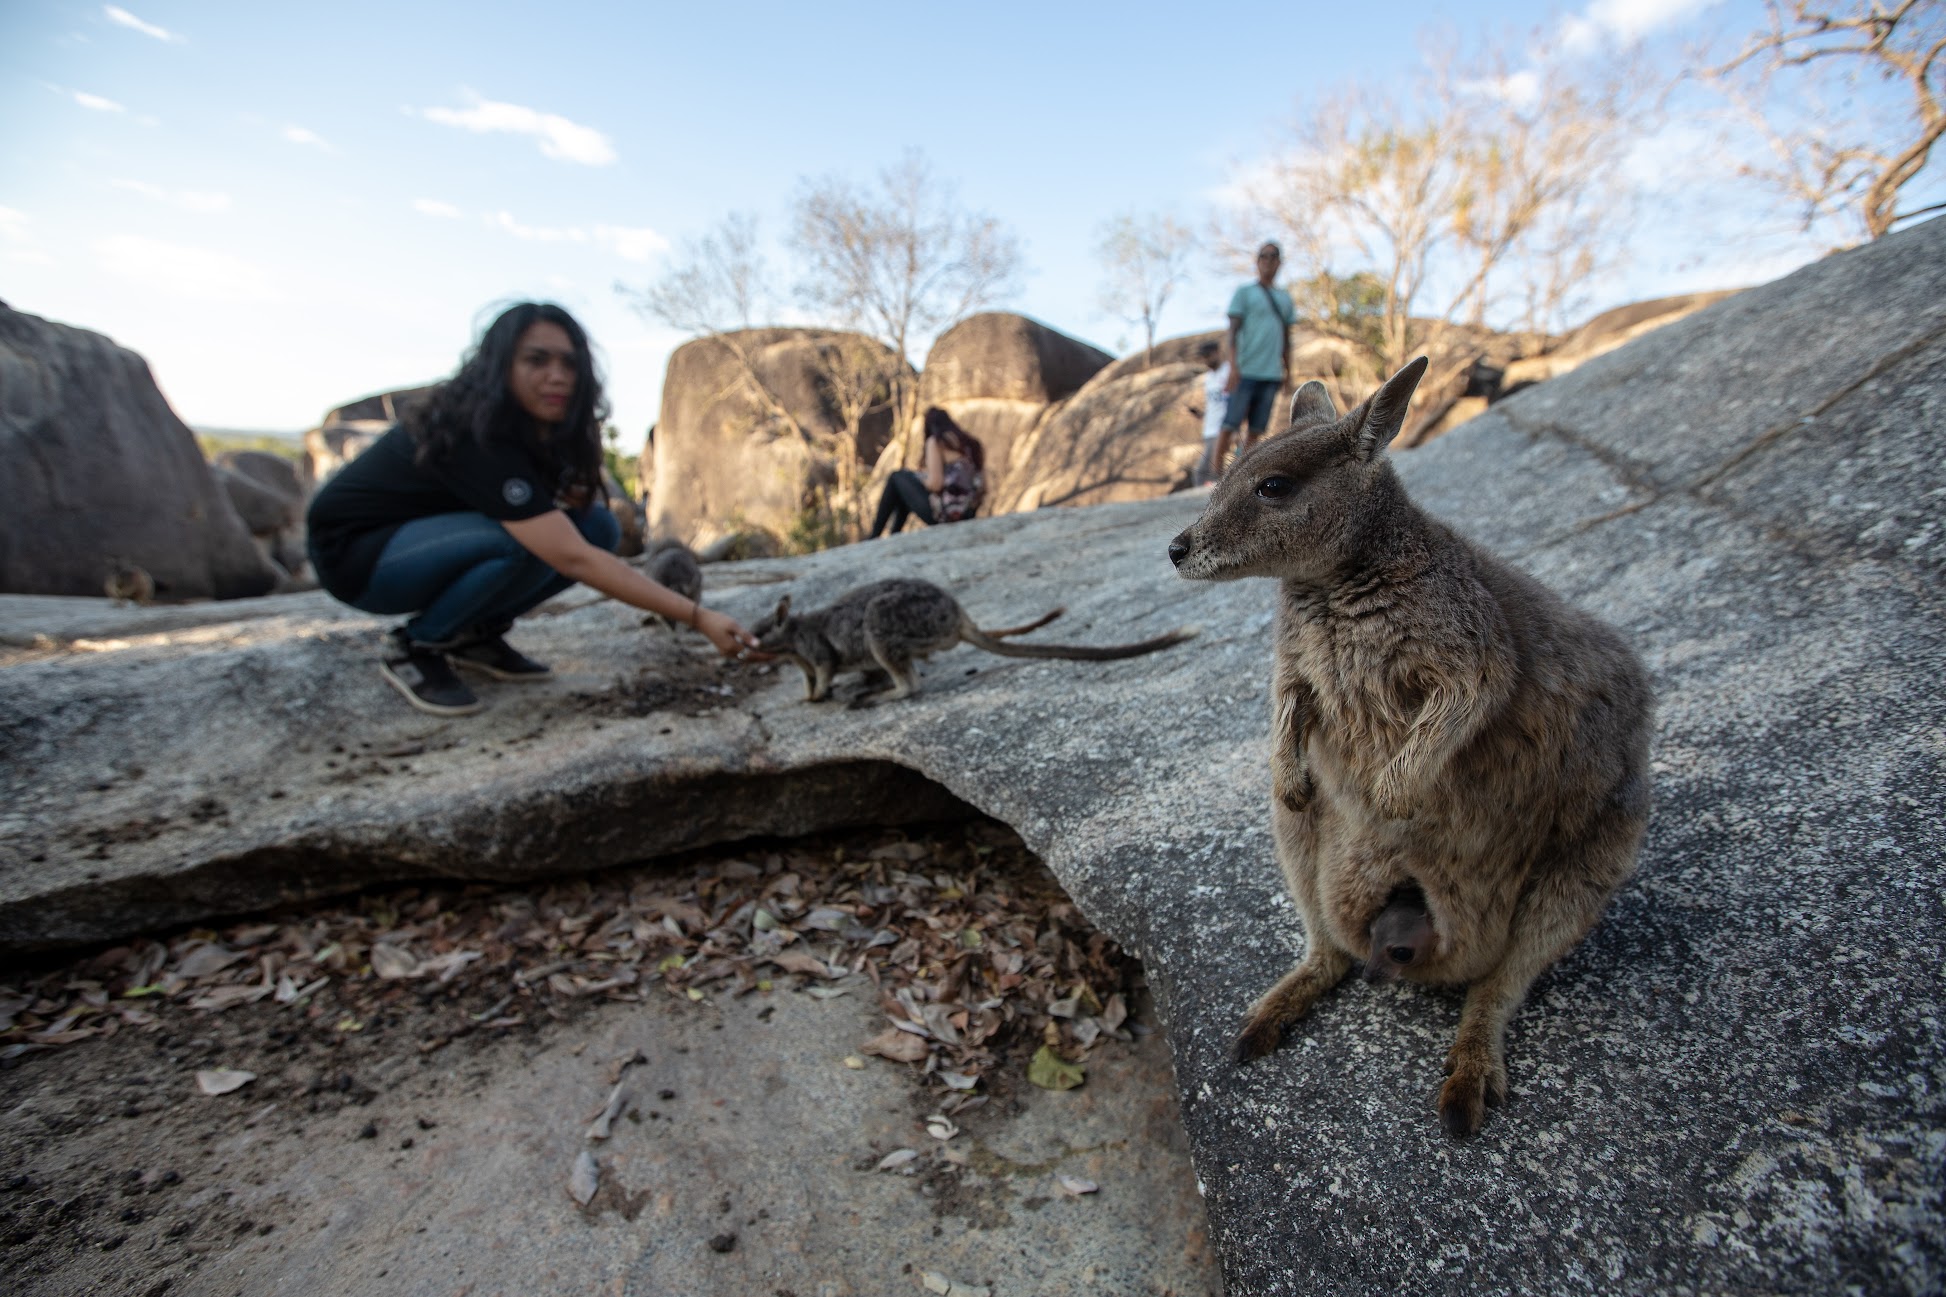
[[1254, 397], [462, 573]]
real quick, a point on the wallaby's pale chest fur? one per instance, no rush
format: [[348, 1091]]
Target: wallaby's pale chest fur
[[1444, 729]]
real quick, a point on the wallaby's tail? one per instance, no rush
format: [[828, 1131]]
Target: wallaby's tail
[[1075, 652], [1022, 630]]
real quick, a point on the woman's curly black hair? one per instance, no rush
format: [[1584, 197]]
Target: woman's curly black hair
[[475, 406]]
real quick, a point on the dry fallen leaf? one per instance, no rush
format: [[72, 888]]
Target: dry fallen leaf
[[390, 962], [222, 1080], [617, 1100], [899, 1046], [1074, 1186], [584, 1179], [894, 1160], [941, 1127]]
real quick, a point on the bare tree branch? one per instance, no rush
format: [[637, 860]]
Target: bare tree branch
[[1410, 226], [1841, 165], [1145, 260]]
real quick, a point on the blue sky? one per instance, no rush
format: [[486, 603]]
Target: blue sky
[[283, 207]]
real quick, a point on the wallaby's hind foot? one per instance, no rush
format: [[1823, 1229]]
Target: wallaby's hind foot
[[1289, 1000], [1475, 1081]]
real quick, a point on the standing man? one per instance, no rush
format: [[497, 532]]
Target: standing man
[[1261, 317]]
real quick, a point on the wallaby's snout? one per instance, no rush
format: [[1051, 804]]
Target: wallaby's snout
[[1179, 549]]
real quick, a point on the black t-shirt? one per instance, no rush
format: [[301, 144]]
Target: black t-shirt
[[355, 513]]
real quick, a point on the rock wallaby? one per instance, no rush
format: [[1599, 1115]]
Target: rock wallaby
[[894, 623], [1459, 759], [673, 564]]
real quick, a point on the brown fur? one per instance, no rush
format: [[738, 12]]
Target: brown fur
[[896, 623], [1439, 720]]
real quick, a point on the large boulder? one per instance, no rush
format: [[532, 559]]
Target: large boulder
[[268, 493], [331, 446], [380, 407], [1170, 351], [1603, 334], [1008, 357], [751, 428], [102, 476], [1128, 438]]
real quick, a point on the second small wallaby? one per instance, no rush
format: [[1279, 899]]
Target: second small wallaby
[[1458, 758], [895, 623], [672, 564]]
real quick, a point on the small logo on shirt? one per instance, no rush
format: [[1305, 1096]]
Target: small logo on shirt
[[516, 491]]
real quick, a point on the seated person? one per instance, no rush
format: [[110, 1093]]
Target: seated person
[[953, 486], [482, 502]]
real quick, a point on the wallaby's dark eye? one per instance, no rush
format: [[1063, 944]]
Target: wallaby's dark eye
[[1400, 954], [1276, 487]]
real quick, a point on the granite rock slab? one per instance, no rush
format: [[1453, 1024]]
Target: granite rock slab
[[1733, 1085]]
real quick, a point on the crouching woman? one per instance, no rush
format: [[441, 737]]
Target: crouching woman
[[480, 504]]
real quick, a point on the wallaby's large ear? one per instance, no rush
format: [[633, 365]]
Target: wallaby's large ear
[[783, 609], [1379, 418], [1312, 404]]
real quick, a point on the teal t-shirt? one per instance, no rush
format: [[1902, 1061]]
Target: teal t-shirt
[[1260, 339]]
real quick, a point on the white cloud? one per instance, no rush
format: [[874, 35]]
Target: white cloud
[[433, 207], [629, 243], [1625, 21], [13, 225], [96, 102], [1519, 89], [127, 19], [189, 200], [302, 135], [537, 233], [559, 138], [638, 244], [184, 272]]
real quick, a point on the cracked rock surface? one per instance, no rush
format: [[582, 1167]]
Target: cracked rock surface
[[1733, 1085]]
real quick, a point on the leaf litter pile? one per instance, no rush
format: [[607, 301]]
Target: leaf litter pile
[[977, 960]]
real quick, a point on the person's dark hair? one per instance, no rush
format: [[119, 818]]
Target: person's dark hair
[[475, 406], [1271, 247], [953, 437]]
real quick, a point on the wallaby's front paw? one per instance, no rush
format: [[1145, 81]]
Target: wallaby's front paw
[[1263, 1031], [1296, 797], [1476, 1082]]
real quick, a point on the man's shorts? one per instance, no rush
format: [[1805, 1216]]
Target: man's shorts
[[1252, 399]]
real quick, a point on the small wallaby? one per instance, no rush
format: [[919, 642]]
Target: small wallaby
[[1459, 759], [673, 564], [893, 623], [128, 583]]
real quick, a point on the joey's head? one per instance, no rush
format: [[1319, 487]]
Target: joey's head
[[1402, 937], [1296, 506], [775, 632]]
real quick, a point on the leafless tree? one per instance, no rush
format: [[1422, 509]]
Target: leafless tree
[[902, 261], [717, 289], [1410, 226], [1145, 259], [1834, 163]]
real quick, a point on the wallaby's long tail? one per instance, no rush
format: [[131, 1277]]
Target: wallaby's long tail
[[1022, 630], [1074, 652]]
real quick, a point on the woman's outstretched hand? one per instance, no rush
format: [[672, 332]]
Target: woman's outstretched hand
[[731, 640]]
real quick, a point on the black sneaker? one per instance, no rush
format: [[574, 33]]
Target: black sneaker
[[425, 678], [488, 653]]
